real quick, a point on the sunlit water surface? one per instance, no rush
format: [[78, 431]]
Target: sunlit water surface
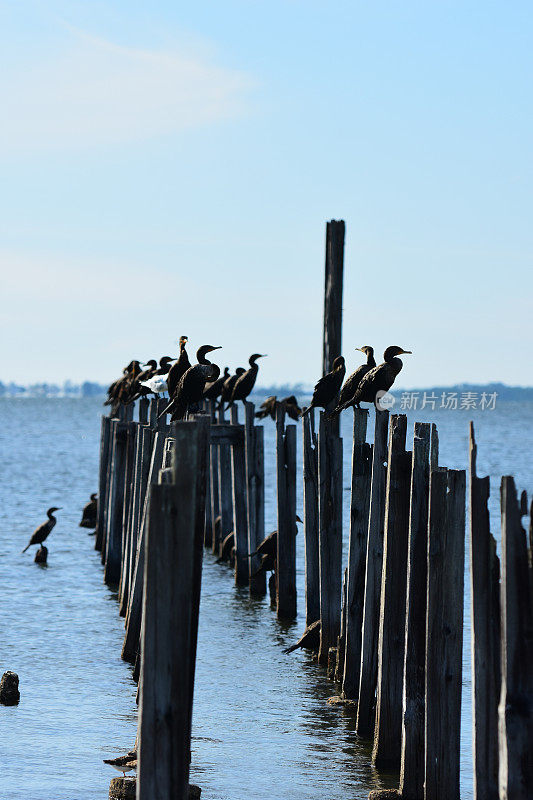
[[262, 727]]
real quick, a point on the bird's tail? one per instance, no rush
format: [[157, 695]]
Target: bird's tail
[[292, 648], [167, 410], [306, 411], [25, 548]]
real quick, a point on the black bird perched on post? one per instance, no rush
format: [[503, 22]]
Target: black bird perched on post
[[190, 388], [179, 367], [328, 387], [245, 382], [269, 407], [148, 372], [213, 389], [41, 533], [380, 378], [227, 386], [88, 517], [351, 384]]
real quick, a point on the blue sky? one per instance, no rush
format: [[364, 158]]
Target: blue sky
[[168, 168]]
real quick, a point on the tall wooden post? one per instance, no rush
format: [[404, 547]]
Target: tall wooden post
[[360, 500], [102, 481], [413, 722], [116, 500], [240, 519], [486, 677], [444, 644], [310, 475], [374, 561], [224, 482], [255, 494], [286, 503], [335, 231], [516, 701]]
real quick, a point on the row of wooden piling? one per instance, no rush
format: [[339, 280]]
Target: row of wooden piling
[[394, 626]]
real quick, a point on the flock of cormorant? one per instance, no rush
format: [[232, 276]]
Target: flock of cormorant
[[188, 385]]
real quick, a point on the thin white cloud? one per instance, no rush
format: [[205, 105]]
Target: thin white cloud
[[94, 92]]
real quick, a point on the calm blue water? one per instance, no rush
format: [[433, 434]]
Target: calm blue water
[[262, 727]]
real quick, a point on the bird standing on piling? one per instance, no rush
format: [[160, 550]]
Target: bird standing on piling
[[214, 388], [380, 378], [245, 382], [351, 384], [190, 388], [227, 386], [327, 388], [179, 367], [88, 517], [41, 533], [123, 764]]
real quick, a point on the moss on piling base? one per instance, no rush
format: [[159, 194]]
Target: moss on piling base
[[384, 794], [122, 789]]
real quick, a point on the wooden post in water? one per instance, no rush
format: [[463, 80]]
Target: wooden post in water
[[102, 480], [444, 644], [255, 495], [335, 231], [486, 676], [374, 560], [286, 503], [166, 675], [516, 701], [310, 490], [413, 722], [355, 590], [391, 643], [131, 441], [116, 500], [113, 423], [240, 520], [214, 485], [341, 641], [329, 533], [224, 472]]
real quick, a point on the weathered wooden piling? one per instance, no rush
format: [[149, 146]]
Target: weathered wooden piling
[[166, 675], [225, 483], [334, 273], [374, 560], [214, 484], [486, 677], [102, 480], [329, 533], [310, 492], [255, 494], [359, 507], [286, 505], [445, 595], [341, 641], [413, 719], [391, 641], [113, 555], [240, 514], [131, 445], [516, 700]]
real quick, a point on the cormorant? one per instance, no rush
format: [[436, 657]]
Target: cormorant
[[328, 387], [41, 533], [310, 638], [191, 385], [179, 367], [88, 517], [351, 384], [245, 382], [213, 389], [225, 548], [118, 390], [269, 545], [292, 408], [268, 408], [157, 383], [380, 378], [164, 365], [227, 386], [148, 372]]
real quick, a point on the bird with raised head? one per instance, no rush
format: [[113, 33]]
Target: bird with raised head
[[213, 389], [190, 388], [327, 388], [245, 382], [380, 378], [42, 531], [352, 382], [179, 367], [227, 386]]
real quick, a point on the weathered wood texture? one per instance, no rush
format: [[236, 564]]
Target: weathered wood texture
[[334, 271], [102, 481], [329, 534], [286, 505], [486, 671], [341, 641], [391, 642], [413, 722], [225, 484], [240, 514], [166, 680], [445, 597], [359, 508], [113, 556], [310, 492], [516, 701], [255, 494], [374, 561], [134, 613], [127, 515]]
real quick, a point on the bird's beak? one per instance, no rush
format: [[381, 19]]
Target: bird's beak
[[360, 349], [218, 347], [263, 356], [409, 352]]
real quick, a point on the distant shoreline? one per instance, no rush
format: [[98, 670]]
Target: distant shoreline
[[91, 389]]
